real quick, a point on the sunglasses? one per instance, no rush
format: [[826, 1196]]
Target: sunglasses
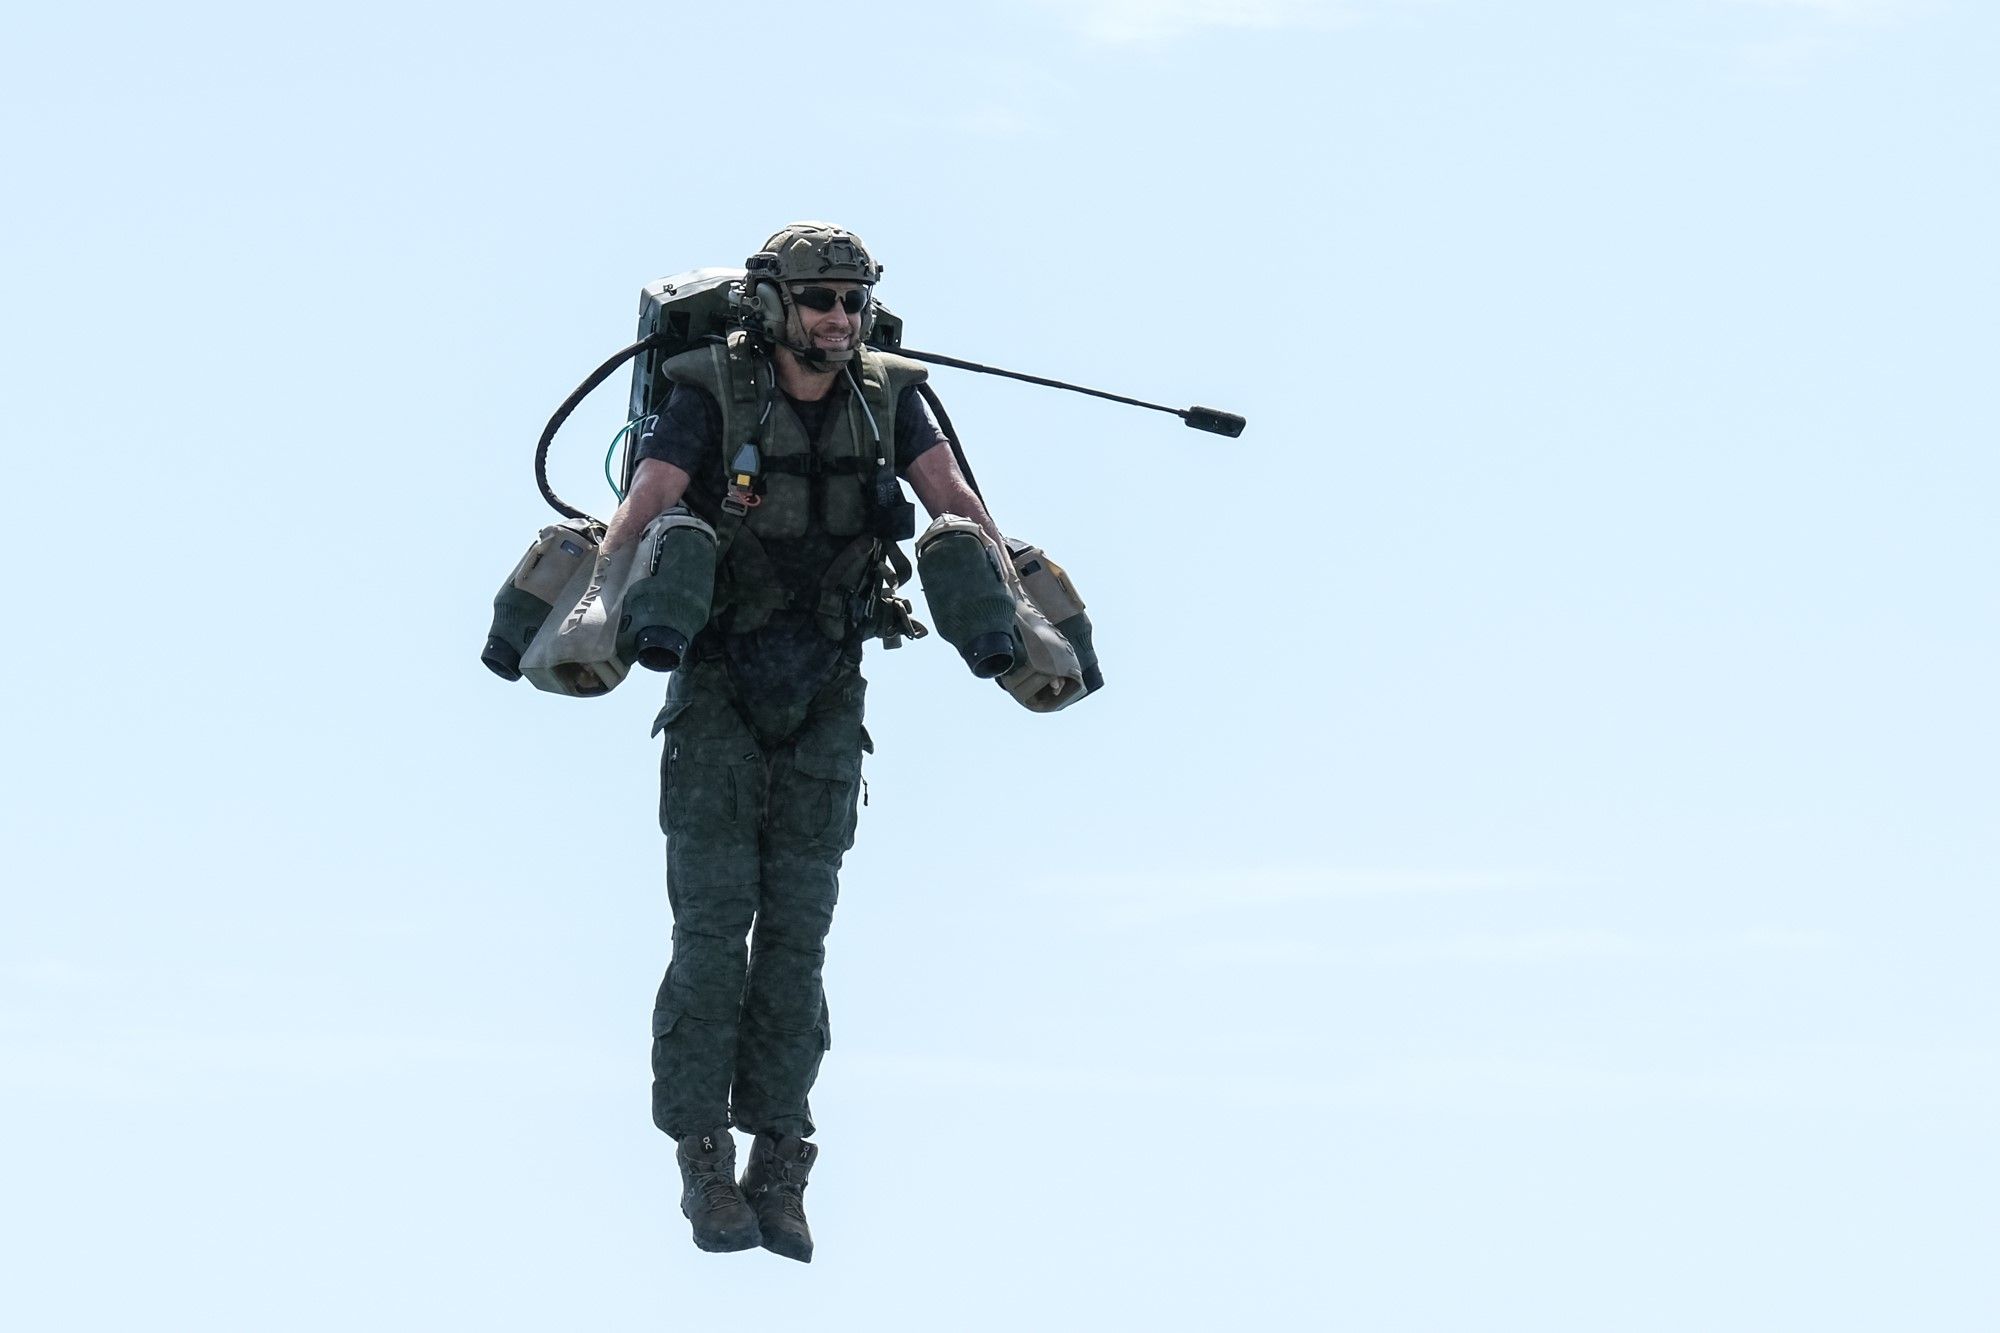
[[854, 300]]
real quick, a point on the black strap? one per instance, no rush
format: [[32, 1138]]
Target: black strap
[[756, 391], [898, 562], [816, 464]]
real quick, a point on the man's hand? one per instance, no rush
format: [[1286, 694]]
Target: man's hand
[[656, 488]]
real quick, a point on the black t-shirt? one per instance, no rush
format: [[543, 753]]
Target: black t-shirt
[[789, 657], [687, 430]]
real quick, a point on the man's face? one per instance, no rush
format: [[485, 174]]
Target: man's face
[[836, 329]]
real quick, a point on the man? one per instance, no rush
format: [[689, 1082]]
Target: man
[[763, 719]]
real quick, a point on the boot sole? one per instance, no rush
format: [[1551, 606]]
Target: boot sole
[[728, 1240], [727, 1243]]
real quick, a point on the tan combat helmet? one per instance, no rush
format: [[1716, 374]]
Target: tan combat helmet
[[804, 252]]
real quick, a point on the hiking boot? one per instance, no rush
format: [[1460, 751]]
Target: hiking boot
[[775, 1185], [709, 1198]]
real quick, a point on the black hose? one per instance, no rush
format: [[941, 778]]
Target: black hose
[[951, 436], [597, 377]]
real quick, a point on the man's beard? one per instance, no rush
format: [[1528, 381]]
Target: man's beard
[[819, 360]]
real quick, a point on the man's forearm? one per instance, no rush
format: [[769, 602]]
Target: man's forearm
[[939, 483], [656, 487], [961, 500]]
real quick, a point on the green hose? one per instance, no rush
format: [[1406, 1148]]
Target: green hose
[[623, 431]]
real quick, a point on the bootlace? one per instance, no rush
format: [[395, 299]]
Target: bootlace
[[781, 1181], [717, 1188], [715, 1179]]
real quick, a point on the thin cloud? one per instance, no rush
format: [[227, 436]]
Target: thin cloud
[[1520, 949], [1129, 897], [1589, 945], [208, 1067], [1846, 11], [994, 120], [1813, 1076], [1805, 35], [1548, 946], [892, 1069], [1848, 1075], [1151, 22]]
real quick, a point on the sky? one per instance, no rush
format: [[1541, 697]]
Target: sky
[[1533, 863]]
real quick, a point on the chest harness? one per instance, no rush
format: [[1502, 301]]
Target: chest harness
[[782, 485]]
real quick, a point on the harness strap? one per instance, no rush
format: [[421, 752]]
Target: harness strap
[[742, 360], [846, 587], [749, 585], [899, 564], [814, 464], [859, 585], [747, 388]]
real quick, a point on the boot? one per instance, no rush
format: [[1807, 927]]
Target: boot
[[709, 1198], [775, 1185]]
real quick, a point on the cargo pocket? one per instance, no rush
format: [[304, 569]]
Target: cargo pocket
[[703, 780], [666, 716], [661, 721], [704, 786], [825, 797]]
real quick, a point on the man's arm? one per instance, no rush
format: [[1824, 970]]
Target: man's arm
[[935, 477], [656, 488]]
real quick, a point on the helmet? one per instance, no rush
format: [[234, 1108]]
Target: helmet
[[803, 252]]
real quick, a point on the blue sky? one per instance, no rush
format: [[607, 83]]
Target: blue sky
[[1532, 866]]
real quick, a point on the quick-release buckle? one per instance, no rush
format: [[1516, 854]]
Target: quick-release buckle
[[743, 473]]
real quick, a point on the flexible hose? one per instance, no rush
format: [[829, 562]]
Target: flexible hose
[[611, 449], [950, 434], [596, 378], [603, 372]]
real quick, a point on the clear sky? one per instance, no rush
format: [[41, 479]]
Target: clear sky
[[1533, 865]]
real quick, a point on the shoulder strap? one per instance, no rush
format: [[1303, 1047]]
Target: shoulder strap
[[752, 386]]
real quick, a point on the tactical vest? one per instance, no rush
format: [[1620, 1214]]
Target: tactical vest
[[804, 489]]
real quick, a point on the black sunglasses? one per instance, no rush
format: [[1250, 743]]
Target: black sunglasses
[[854, 300]]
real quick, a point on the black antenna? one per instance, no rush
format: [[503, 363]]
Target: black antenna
[[1210, 419]]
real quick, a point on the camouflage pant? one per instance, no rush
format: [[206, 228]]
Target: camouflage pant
[[755, 833]]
